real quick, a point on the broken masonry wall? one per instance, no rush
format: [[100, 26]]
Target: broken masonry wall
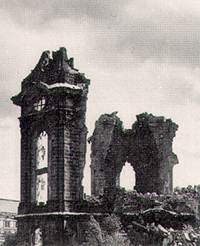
[[74, 148], [151, 153], [107, 153], [61, 91], [147, 147]]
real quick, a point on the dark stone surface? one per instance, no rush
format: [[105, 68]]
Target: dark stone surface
[[63, 118], [108, 153], [147, 147]]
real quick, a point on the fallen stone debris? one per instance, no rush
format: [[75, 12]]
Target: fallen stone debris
[[149, 219]]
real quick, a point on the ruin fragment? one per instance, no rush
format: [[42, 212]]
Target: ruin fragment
[[147, 147]]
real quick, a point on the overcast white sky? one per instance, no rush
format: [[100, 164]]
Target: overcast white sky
[[141, 56]]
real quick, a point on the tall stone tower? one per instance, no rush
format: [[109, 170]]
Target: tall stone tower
[[53, 146]]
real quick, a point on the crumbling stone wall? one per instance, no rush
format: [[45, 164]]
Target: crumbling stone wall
[[63, 89], [108, 153], [150, 153], [147, 147]]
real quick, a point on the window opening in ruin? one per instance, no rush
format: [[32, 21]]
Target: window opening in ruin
[[41, 188], [37, 238], [127, 177], [39, 105], [41, 151], [42, 168], [86, 182]]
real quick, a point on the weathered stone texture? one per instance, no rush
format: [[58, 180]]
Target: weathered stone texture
[[150, 153], [147, 147], [64, 92], [108, 153]]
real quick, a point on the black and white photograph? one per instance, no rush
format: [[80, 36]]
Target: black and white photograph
[[100, 123]]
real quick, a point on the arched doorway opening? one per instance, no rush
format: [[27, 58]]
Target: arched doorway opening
[[127, 177]]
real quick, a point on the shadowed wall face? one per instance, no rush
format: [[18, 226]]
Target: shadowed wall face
[[53, 143], [108, 153], [147, 147]]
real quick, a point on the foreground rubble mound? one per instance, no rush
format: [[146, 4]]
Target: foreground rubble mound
[[160, 219], [111, 231], [147, 219]]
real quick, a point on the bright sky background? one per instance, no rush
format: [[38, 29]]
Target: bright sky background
[[141, 56]]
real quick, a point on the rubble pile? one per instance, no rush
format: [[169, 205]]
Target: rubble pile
[[110, 231], [180, 201], [157, 235], [160, 219], [149, 219]]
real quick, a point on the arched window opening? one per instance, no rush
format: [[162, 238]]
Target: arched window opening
[[37, 238], [42, 151], [127, 177], [42, 168]]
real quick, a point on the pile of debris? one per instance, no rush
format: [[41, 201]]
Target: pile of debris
[[152, 219], [110, 231], [134, 219], [180, 202], [153, 234]]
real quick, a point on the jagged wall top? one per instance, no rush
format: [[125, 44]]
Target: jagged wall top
[[155, 124], [53, 74], [56, 69]]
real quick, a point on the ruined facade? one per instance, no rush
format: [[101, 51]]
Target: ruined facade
[[147, 147], [53, 100], [53, 143]]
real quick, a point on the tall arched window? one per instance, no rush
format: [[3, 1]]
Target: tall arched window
[[42, 151], [127, 177], [42, 168]]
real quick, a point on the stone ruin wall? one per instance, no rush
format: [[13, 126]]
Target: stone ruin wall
[[147, 146], [108, 152]]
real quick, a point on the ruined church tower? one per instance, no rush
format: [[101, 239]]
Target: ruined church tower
[[53, 146]]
